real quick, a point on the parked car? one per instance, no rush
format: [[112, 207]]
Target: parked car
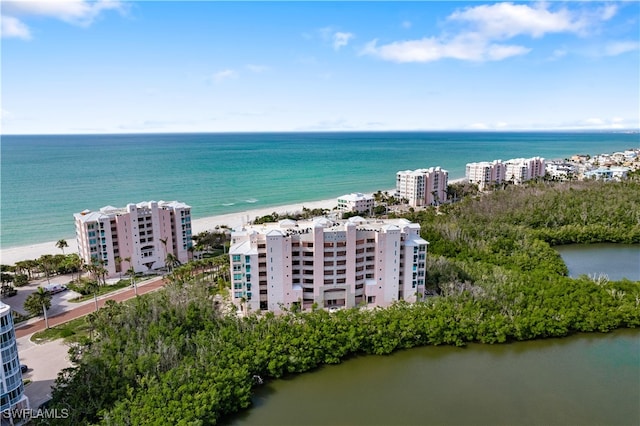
[[24, 368], [55, 288], [9, 291]]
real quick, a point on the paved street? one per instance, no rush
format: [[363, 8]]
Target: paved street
[[87, 307], [46, 360]]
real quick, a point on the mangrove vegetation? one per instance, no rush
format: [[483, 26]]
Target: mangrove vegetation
[[181, 356]]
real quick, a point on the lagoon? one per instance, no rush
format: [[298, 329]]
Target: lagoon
[[587, 379], [616, 261]]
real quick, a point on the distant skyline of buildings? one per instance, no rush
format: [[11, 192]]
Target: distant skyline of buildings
[[517, 171], [139, 235]]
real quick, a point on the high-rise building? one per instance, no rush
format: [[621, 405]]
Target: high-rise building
[[12, 397], [485, 173], [422, 187], [329, 263], [519, 170], [138, 235]]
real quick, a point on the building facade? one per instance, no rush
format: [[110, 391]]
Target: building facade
[[12, 395], [422, 187], [138, 235], [486, 174], [332, 264], [520, 170], [356, 203]]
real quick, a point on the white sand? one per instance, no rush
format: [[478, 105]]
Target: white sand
[[12, 255]]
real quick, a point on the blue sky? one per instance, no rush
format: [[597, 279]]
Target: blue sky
[[128, 67]]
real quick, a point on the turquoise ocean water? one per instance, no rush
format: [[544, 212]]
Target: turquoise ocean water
[[45, 179]]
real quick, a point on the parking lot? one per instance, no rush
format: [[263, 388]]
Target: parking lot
[[45, 361]]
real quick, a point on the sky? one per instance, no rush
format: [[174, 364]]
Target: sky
[[108, 66]]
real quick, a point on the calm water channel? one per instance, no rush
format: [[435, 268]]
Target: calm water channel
[[587, 379], [617, 261]]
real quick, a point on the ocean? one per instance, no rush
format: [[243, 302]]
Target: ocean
[[46, 179]]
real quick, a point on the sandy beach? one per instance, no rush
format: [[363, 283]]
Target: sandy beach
[[12, 255]]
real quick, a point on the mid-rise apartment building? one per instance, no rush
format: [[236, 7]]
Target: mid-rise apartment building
[[329, 263], [356, 203], [519, 170], [486, 174], [422, 187], [12, 397], [138, 235]]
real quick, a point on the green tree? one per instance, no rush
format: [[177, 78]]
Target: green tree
[[37, 303], [62, 244]]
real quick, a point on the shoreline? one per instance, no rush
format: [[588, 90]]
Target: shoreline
[[10, 256]]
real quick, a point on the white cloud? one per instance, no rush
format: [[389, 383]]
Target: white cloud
[[338, 39], [224, 75], [619, 47], [506, 20], [77, 12], [341, 39], [501, 125], [465, 47], [485, 30], [13, 28], [257, 68], [558, 53]]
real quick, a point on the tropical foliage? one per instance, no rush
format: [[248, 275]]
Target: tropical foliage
[[179, 357]]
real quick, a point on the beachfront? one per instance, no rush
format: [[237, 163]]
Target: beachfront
[[12, 255]]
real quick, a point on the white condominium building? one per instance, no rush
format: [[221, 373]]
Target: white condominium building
[[356, 203], [485, 173], [423, 187], [138, 235], [12, 395], [344, 263], [519, 170]]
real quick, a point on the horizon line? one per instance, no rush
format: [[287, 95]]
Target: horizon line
[[551, 130]]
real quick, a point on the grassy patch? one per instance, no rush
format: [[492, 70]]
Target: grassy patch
[[72, 331], [104, 289]]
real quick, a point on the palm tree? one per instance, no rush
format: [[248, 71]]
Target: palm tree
[[164, 244], [38, 302], [93, 287], [61, 244], [46, 263], [132, 275], [118, 261], [171, 261]]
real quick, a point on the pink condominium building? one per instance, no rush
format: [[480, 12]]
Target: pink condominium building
[[333, 264], [517, 171], [138, 235], [423, 187], [486, 173]]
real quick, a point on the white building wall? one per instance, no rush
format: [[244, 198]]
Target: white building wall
[[120, 233], [11, 386], [422, 187]]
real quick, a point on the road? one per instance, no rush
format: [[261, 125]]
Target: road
[[39, 325]]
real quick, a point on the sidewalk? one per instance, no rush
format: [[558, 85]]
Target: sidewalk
[[46, 360], [37, 324]]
